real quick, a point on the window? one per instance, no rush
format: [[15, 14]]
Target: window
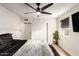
[[65, 26]]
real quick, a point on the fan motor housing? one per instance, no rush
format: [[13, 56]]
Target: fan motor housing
[[38, 9]]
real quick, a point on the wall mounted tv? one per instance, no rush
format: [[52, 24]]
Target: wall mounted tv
[[75, 22]]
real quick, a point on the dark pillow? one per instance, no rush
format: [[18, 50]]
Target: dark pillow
[[5, 43], [9, 36], [5, 38]]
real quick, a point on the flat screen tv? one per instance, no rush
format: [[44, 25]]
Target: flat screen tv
[[75, 22]]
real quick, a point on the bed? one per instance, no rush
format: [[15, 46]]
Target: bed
[[8, 45]]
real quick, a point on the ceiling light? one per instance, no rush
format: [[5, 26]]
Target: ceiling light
[[38, 13]]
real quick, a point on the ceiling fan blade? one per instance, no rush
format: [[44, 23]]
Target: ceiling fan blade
[[43, 12], [29, 12], [45, 7], [29, 6]]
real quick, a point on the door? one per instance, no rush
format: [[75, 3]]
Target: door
[[40, 31], [27, 31]]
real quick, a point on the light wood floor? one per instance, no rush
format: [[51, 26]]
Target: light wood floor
[[60, 51]]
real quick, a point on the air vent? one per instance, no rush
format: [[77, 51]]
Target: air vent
[[25, 19]]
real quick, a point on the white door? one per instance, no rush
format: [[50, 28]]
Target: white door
[[40, 32], [27, 31]]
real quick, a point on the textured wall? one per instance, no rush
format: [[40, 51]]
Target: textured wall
[[10, 23], [69, 43]]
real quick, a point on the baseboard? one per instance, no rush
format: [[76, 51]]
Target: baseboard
[[54, 50], [64, 50]]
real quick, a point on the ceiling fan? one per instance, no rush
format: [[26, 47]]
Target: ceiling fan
[[38, 9]]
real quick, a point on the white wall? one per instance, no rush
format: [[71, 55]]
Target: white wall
[[70, 44], [10, 23], [39, 29]]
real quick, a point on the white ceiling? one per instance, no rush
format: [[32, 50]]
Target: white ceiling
[[19, 8]]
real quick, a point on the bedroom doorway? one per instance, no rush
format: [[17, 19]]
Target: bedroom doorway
[[27, 31]]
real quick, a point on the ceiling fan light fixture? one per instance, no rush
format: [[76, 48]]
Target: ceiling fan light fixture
[[38, 13]]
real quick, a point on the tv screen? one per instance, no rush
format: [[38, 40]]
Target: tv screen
[[75, 22]]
